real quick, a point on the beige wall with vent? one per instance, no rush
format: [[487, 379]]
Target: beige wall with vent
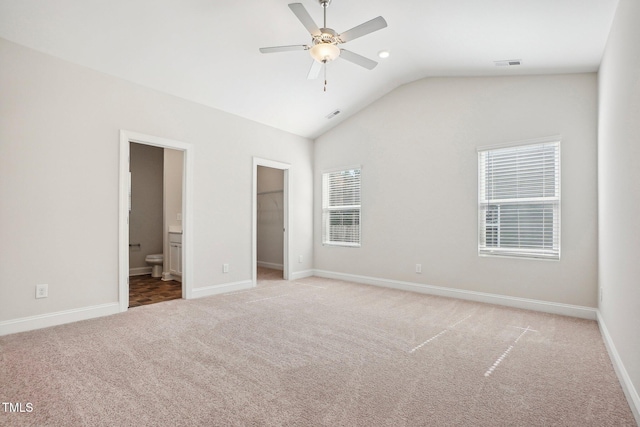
[[418, 150]]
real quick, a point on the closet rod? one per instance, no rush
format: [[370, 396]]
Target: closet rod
[[270, 192]]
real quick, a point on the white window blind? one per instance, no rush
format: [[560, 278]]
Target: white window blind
[[519, 201], [341, 208]]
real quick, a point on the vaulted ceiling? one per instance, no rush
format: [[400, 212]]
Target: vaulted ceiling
[[207, 50]]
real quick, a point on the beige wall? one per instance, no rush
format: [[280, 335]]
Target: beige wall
[[59, 182], [145, 218], [417, 148], [156, 175], [619, 190]]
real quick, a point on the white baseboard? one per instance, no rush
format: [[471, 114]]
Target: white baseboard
[[57, 318], [625, 381], [206, 291], [167, 276], [296, 275], [525, 303], [140, 271], [269, 265]]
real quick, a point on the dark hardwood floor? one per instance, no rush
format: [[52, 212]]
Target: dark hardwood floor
[[145, 290]]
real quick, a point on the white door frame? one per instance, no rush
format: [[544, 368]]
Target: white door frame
[[254, 227], [127, 137]]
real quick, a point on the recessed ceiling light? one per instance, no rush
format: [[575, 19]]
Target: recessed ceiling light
[[383, 54]]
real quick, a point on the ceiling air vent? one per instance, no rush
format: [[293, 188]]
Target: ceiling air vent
[[507, 62], [333, 114]]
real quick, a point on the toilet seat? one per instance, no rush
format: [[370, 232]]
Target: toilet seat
[[154, 257], [156, 261]]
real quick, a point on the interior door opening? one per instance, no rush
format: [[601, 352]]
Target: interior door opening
[[270, 222], [270, 219], [155, 224], [155, 217]]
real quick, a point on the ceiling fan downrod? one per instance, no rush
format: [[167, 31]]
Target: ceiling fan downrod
[[325, 4]]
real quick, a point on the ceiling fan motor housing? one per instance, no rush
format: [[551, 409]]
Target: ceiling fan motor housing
[[327, 35], [325, 47]]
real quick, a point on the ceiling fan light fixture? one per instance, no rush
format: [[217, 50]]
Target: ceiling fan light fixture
[[324, 52]]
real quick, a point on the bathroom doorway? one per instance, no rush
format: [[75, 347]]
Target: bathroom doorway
[[270, 219], [154, 220], [155, 224]]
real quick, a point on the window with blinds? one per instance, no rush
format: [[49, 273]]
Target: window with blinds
[[341, 208], [519, 201]]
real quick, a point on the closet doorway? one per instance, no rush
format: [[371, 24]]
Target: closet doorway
[[270, 219]]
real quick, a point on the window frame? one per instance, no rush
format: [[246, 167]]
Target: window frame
[[326, 209], [540, 253]]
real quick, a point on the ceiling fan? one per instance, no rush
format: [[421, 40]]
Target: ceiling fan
[[325, 41]]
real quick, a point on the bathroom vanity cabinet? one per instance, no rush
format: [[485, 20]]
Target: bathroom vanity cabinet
[[175, 255]]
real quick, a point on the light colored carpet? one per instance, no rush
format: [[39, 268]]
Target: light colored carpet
[[314, 352]]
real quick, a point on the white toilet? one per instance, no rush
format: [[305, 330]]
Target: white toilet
[[156, 261]]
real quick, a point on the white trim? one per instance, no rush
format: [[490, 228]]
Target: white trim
[[187, 211], [541, 140], [140, 271], [537, 253], [326, 234], [167, 277], [524, 303], [224, 288], [339, 169], [297, 275], [286, 217], [272, 265], [39, 321], [623, 376]]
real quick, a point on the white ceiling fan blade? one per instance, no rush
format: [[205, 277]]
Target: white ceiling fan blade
[[315, 69], [304, 17], [283, 48], [358, 59], [363, 29]]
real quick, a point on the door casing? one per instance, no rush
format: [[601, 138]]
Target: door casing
[[127, 137]]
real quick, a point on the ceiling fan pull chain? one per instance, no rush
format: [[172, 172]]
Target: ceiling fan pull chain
[[325, 76]]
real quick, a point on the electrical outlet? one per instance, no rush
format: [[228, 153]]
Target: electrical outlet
[[42, 291], [299, 258], [225, 268], [601, 292], [418, 268], [179, 217]]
